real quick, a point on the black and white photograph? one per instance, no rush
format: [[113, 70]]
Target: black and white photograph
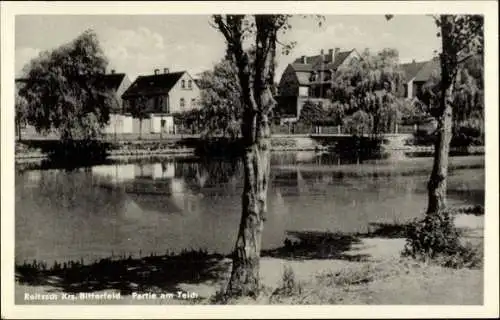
[[248, 157]]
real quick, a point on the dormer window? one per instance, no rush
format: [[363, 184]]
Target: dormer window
[[190, 84], [183, 84]]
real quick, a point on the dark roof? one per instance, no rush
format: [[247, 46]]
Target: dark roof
[[153, 84], [339, 59], [315, 61], [411, 69], [300, 67], [303, 70], [113, 80]]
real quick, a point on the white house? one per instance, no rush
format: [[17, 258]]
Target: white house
[[166, 93]]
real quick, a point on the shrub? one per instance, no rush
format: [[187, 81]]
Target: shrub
[[435, 238], [289, 285], [464, 136]]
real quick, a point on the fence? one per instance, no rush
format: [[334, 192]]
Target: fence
[[300, 128]]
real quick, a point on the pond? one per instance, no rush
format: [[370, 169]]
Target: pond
[[154, 206]]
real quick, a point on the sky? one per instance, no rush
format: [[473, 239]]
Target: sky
[[138, 44]]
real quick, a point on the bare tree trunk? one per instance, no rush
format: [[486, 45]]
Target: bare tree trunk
[[437, 180], [245, 273]]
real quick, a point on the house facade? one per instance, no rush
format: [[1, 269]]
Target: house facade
[[310, 77], [165, 94]]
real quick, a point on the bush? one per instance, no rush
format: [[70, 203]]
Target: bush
[[435, 238], [289, 285], [465, 136]]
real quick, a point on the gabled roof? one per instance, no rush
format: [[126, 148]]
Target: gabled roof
[[113, 81], [153, 84], [314, 62], [411, 69], [303, 70], [339, 58], [301, 67], [311, 60]]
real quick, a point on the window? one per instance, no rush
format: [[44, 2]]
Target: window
[[157, 104], [182, 103], [183, 84], [193, 101], [190, 84]]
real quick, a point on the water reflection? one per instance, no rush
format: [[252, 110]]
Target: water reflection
[[190, 203]]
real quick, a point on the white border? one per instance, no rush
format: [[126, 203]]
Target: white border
[[491, 296]]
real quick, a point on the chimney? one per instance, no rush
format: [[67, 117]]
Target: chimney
[[330, 55], [113, 71], [413, 61], [157, 71], [303, 59], [165, 70], [337, 51]]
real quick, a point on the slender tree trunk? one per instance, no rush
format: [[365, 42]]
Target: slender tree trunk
[[437, 181], [256, 160], [140, 129], [18, 127]]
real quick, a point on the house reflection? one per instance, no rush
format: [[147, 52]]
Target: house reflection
[[290, 182], [150, 187], [117, 173]]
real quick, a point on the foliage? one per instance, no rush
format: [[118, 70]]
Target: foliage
[[64, 91], [372, 85], [468, 94], [21, 108], [139, 108], [435, 238], [464, 136], [221, 100], [358, 123], [289, 285], [190, 119], [321, 113]]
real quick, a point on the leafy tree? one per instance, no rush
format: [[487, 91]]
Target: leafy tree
[[21, 106], [358, 123], [312, 113], [221, 100], [255, 74], [373, 84], [321, 113], [191, 119], [462, 38], [63, 91], [139, 109], [468, 95]]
